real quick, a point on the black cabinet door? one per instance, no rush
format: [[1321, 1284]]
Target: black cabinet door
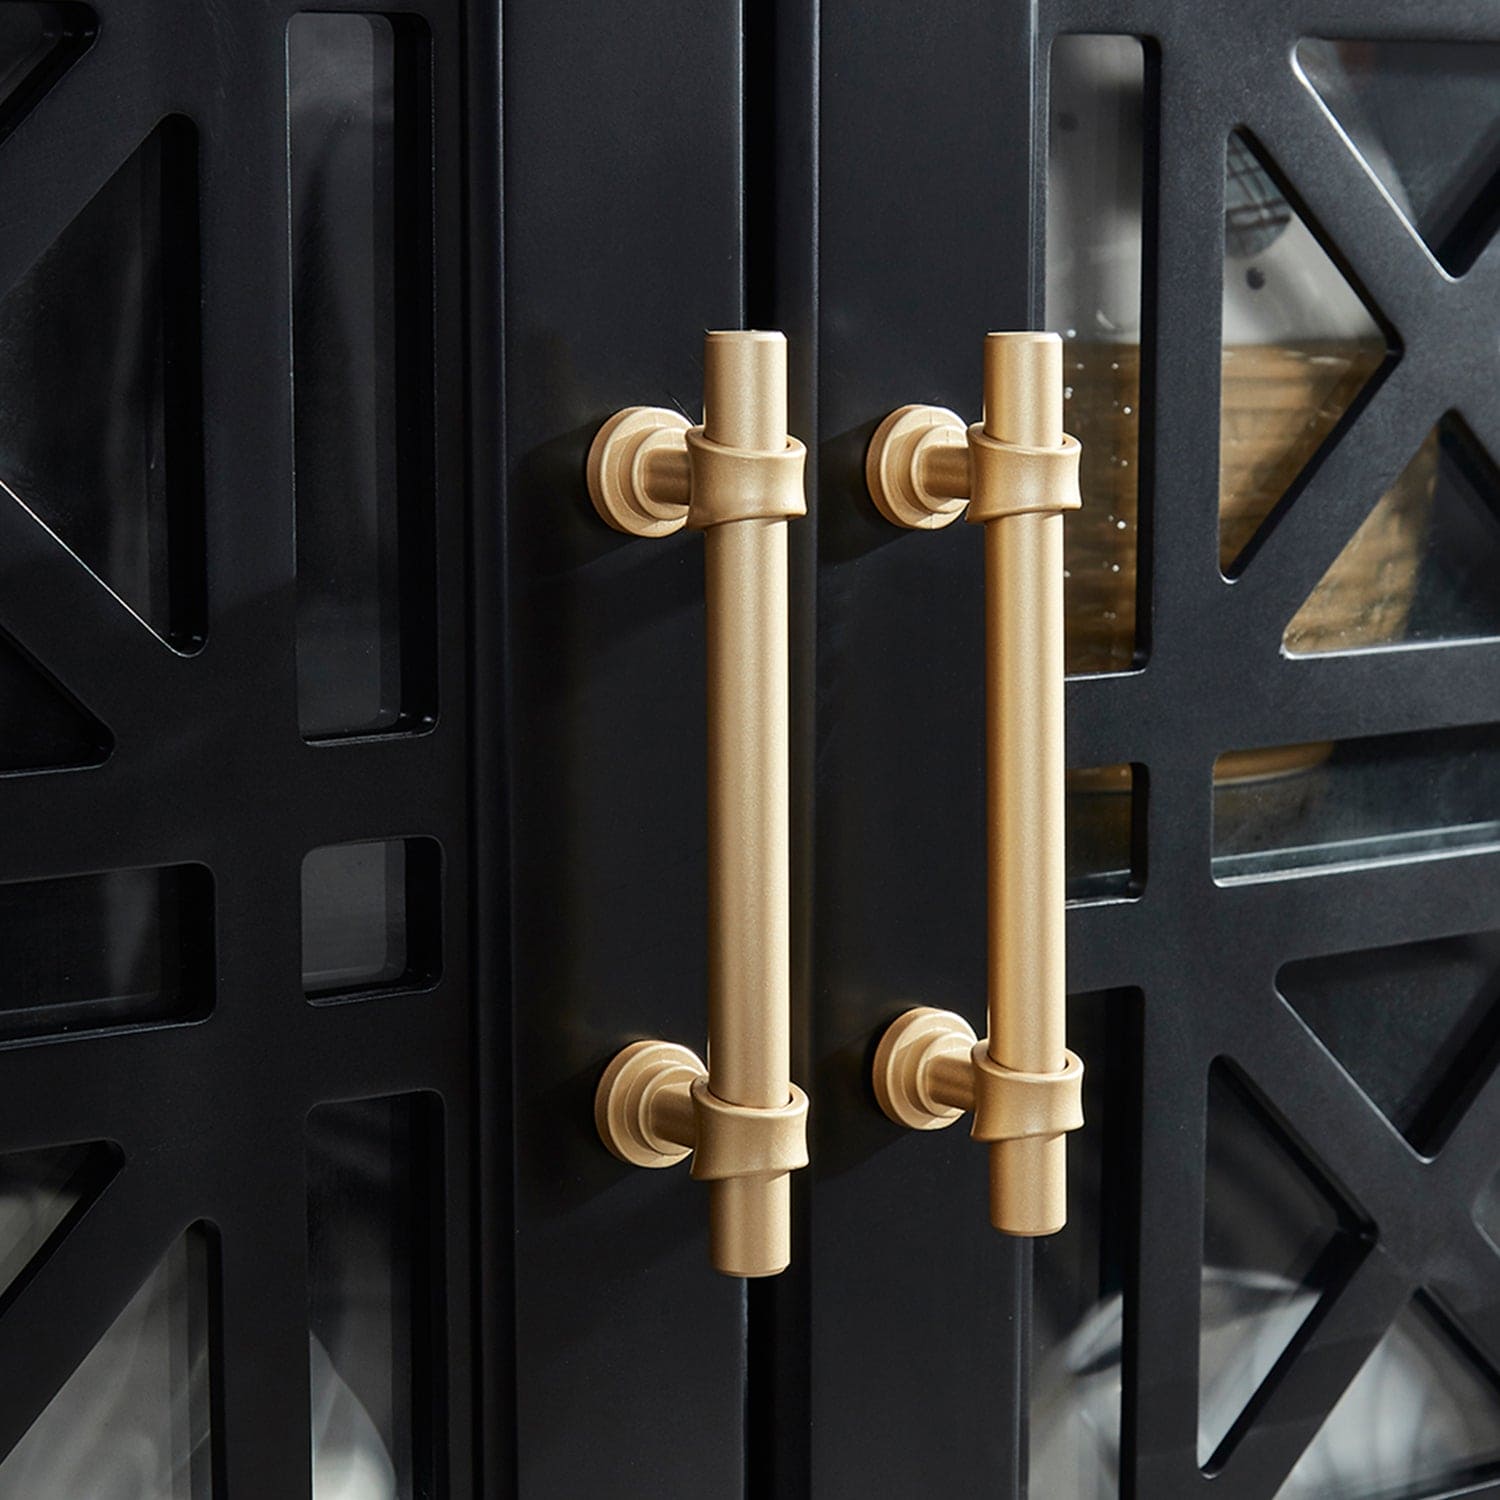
[[623, 241], [236, 1138], [663, 175], [1264, 237], [352, 773]]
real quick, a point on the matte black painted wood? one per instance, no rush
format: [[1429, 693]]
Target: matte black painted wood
[[622, 245], [865, 176], [1215, 677], [494, 1327], [929, 167], [915, 1308]]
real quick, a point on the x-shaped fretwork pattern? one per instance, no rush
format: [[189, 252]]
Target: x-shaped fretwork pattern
[[1204, 956], [209, 766]]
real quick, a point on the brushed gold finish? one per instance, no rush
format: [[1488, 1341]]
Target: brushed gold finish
[[743, 1141], [1019, 473], [900, 469], [643, 1106], [632, 476], [908, 1068], [739, 479]]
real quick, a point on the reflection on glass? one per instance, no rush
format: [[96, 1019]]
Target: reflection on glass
[[1299, 347], [1421, 1418], [372, 1170], [1422, 565], [1487, 1211], [359, 352], [1075, 1385], [1103, 811], [1425, 119], [99, 392], [120, 948], [1300, 807], [1414, 1024], [1096, 147], [40, 1192], [133, 1419], [370, 915], [41, 727], [1274, 1240]]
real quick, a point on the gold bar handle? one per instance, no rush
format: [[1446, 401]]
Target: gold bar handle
[[1017, 474], [739, 479]]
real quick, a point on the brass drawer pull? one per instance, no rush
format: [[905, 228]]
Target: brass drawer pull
[[738, 479], [1018, 473]]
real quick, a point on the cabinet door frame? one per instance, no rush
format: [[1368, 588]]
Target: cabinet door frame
[[623, 240], [1215, 677], [209, 765]]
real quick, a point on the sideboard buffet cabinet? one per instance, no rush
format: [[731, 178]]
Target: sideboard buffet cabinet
[[491, 701]]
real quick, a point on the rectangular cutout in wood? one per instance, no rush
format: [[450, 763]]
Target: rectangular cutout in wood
[[359, 133], [1288, 809], [118, 948], [374, 1258], [371, 918]]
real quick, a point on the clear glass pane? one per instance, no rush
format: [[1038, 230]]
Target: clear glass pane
[[119, 948], [1422, 565], [1299, 807], [370, 915], [1409, 1023], [1299, 347], [1420, 1418], [133, 1420], [1272, 1245], [1103, 812], [1079, 1278], [41, 727], [1095, 195], [1487, 1211], [99, 392], [372, 1178], [1425, 119], [358, 350], [40, 1191]]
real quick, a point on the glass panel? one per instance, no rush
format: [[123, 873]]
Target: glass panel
[[1425, 119], [1080, 1273], [40, 1193], [1423, 564], [99, 416], [41, 727], [373, 1167], [123, 947], [1095, 196], [1299, 807], [133, 1420], [1103, 813], [360, 299], [1274, 1241], [1299, 347], [1487, 1211], [1412, 1024], [370, 916], [1421, 1417]]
